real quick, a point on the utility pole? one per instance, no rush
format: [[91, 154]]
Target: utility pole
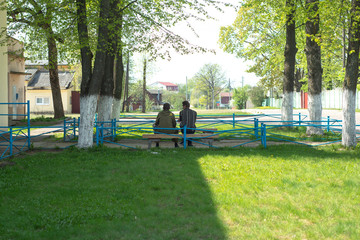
[[242, 80], [143, 103]]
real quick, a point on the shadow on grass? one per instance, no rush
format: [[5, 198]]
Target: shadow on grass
[[107, 194]]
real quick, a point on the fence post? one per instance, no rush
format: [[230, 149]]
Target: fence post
[[113, 130], [299, 118], [78, 124], [102, 133], [64, 130], [184, 137], [11, 141], [262, 134], [74, 127], [233, 120], [28, 123], [256, 126], [328, 123], [97, 134], [264, 127]]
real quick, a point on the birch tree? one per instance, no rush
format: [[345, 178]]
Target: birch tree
[[211, 80], [91, 77], [351, 78], [314, 69], [289, 64]]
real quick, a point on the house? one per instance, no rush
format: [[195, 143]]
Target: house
[[164, 86], [43, 64], [154, 95], [16, 80], [3, 74], [225, 99], [39, 90]]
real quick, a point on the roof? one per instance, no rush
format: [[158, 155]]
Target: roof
[[31, 71], [40, 80], [41, 63], [226, 94], [168, 84]]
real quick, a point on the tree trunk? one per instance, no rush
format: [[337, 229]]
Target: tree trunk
[[351, 77], [90, 87], [54, 78], [289, 65], [107, 91], [213, 99], [119, 68], [299, 74], [119, 75], [108, 84], [126, 97], [144, 88], [313, 57]]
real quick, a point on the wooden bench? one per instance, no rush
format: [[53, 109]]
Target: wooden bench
[[157, 137]]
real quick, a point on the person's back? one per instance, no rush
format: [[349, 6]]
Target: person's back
[[166, 119], [188, 117]]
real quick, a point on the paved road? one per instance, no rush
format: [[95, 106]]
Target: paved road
[[335, 114]]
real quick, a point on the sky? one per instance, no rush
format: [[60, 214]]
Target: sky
[[181, 66]]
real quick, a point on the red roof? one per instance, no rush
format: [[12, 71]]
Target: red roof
[[225, 94], [168, 84]]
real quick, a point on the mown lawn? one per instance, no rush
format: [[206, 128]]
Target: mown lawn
[[283, 192]]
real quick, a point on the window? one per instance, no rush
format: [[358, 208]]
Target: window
[[42, 101]]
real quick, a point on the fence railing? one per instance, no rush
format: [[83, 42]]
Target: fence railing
[[245, 128], [14, 140], [259, 127]]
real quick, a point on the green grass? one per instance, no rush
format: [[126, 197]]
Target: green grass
[[283, 192], [295, 133], [299, 133]]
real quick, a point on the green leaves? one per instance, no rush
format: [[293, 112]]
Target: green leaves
[[258, 36]]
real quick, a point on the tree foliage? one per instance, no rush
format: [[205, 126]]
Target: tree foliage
[[257, 95], [44, 25], [210, 79], [241, 95], [258, 35]]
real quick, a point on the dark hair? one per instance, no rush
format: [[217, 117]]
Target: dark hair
[[186, 104], [166, 106]]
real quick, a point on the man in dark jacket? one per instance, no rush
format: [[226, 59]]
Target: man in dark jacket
[[166, 119], [188, 118]]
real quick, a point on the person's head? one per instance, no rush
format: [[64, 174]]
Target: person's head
[[166, 106], [186, 104]]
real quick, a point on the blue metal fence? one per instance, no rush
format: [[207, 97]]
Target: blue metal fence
[[14, 140], [247, 128]]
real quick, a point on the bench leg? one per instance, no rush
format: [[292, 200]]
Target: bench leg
[[152, 140]]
